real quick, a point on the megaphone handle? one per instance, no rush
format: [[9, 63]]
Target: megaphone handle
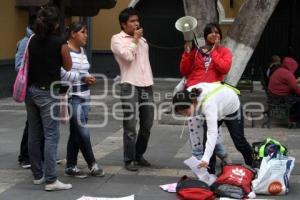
[[196, 42]]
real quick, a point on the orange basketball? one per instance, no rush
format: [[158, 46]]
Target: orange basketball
[[275, 188]]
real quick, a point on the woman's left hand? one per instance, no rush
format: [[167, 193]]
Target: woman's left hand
[[203, 164], [90, 80]]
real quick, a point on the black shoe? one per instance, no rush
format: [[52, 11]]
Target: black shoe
[[25, 164], [95, 170], [143, 162], [75, 172], [131, 166]]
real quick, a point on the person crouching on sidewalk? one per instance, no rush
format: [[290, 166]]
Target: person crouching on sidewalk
[[217, 103]]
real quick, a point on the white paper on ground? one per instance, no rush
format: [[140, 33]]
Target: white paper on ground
[[169, 187], [201, 173], [131, 197]]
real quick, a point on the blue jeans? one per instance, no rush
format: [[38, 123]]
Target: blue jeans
[[42, 125], [79, 134]]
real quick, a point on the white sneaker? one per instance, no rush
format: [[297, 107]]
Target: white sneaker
[[57, 185], [39, 181]]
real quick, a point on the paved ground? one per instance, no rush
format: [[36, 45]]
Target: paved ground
[[166, 152]]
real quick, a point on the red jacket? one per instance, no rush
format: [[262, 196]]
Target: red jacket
[[193, 69], [283, 81]]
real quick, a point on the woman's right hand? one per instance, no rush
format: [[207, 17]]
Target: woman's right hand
[[188, 46], [217, 43]]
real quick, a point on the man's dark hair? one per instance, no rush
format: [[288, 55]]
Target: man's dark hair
[[125, 14], [209, 29]]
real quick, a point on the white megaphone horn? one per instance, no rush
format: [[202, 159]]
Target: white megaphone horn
[[186, 25]]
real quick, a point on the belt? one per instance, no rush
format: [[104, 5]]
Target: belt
[[44, 88], [80, 88]]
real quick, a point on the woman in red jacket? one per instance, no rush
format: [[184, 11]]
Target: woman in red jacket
[[209, 63]]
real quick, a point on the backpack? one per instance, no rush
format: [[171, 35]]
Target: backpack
[[234, 181], [189, 189], [262, 149]]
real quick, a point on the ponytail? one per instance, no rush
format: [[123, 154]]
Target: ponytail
[[74, 27], [195, 93], [184, 99]]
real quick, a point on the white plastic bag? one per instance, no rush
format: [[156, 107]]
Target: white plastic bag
[[273, 176]]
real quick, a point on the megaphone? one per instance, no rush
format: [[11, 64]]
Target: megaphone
[[186, 25]]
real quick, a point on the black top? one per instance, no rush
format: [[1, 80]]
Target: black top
[[45, 60]]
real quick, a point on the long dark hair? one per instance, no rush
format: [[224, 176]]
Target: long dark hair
[[46, 22], [209, 28], [74, 27], [184, 99]]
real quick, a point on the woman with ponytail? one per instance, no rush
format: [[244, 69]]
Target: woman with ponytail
[[80, 79], [47, 53], [217, 103]]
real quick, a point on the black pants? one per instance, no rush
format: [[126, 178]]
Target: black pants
[[235, 125], [136, 101], [24, 155]]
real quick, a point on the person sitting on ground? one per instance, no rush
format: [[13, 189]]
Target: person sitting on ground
[[217, 103], [284, 83]]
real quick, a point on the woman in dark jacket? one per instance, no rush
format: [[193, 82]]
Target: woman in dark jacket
[[47, 53]]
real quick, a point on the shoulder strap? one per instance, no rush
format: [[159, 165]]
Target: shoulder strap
[[215, 91], [210, 94], [26, 52]]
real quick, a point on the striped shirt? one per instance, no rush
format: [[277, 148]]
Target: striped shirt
[[80, 67]]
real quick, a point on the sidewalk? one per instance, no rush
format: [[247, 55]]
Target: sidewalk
[[166, 152]]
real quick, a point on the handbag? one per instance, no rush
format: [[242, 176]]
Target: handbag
[[20, 85], [234, 181], [189, 189]]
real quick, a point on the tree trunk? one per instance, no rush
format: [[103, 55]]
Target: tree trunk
[[205, 11], [245, 33]]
